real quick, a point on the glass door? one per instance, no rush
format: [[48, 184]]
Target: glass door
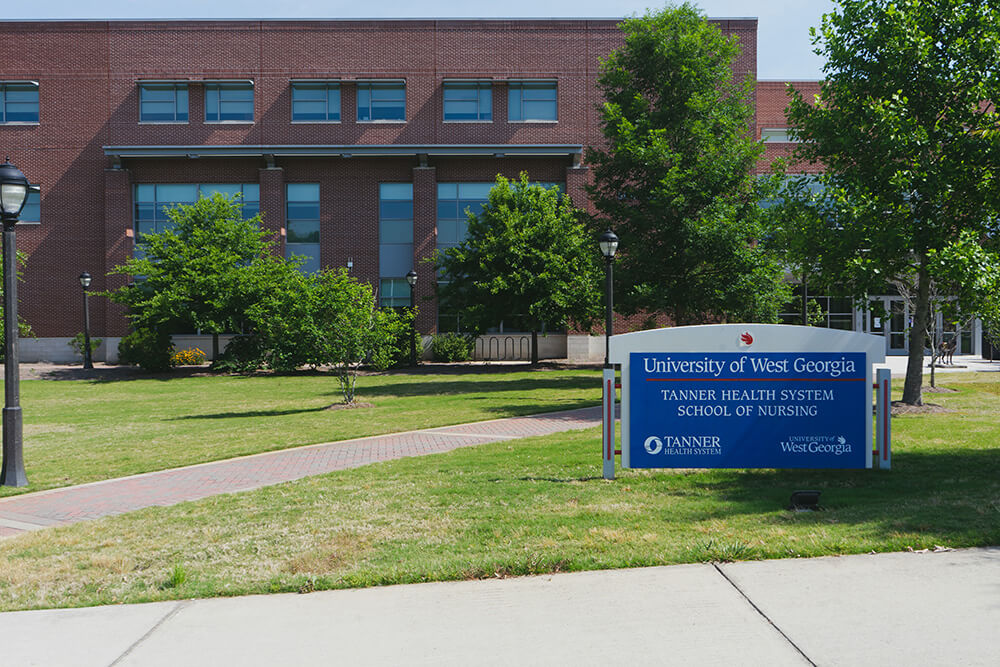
[[896, 325]]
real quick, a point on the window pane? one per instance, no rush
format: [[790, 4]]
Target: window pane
[[251, 192], [303, 210], [447, 190], [32, 208], [399, 210], [475, 190], [303, 231], [308, 192], [207, 190], [309, 251], [145, 193], [539, 110], [395, 259], [182, 194], [396, 231], [396, 191]]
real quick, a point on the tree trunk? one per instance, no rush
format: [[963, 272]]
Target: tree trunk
[[534, 347], [215, 347], [912, 387]]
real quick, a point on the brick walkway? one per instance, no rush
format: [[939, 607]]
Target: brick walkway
[[33, 511]]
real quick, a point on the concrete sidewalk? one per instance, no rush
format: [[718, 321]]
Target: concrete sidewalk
[[71, 504], [889, 609], [962, 364]]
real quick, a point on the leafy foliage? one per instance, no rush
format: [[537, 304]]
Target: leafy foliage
[[907, 133], [526, 260], [676, 178], [451, 347], [322, 319], [78, 344], [190, 276], [147, 348]]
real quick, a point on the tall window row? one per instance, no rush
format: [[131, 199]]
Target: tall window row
[[395, 242], [153, 199], [302, 224], [313, 101]]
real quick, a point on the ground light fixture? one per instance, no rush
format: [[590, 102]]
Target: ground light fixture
[[411, 279], [14, 189], [804, 501], [85, 281]]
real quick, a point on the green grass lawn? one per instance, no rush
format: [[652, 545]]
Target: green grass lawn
[[79, 431], [519, 507]]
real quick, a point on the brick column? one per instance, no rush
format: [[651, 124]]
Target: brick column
[[119, 236], [424, 244], [272, 204], [577, 179]]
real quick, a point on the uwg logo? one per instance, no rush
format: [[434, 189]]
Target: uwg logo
[[816, 445]]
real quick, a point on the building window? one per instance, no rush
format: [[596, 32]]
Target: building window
[[531, 101], [163, 103], [302, 224], [382, 101], [152, 200], [823, 311], [777, 135], [229, 102], [315, 102], [468, 101], [32, 211], [395, 242], [19, 102]]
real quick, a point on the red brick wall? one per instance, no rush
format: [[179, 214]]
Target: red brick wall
[[89, 99], [772, 101]]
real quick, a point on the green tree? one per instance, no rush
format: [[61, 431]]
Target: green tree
[[675, 179], [321, 319], [527, 260], [907, 133], [190, 275]]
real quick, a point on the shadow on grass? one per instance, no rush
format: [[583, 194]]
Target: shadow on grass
[[249, 414], [430, 387]]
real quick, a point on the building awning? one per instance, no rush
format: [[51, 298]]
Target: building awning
[[346, 151]]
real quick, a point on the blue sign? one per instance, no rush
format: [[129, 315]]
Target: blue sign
[[749, 410]]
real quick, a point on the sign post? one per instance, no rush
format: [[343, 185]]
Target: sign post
[[744, 396]]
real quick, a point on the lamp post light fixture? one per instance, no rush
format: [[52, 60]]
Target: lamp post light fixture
[[411, 279], [14, 189], [85, 284], [608, 244]]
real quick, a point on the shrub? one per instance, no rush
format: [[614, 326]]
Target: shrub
[[151, 350], [451, 347], [192, 357], [242, 355], [77, 344]]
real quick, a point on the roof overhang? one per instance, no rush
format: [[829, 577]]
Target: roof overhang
[[350, 150]]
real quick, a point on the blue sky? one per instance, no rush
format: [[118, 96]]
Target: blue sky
[[783, 48]]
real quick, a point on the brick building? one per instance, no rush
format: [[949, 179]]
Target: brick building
[[361, 142]]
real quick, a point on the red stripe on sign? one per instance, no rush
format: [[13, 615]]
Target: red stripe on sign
[[610, 422], [887, 409]]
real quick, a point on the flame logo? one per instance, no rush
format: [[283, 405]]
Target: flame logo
[[746, 338]]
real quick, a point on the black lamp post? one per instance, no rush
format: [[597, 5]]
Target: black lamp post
[[85, 284], [411, 279], [609, 246], [14, 188]]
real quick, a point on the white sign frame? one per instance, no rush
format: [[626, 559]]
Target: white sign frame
[[708, 338]]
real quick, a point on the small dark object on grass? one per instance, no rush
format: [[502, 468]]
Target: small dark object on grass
[[802, 501]]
